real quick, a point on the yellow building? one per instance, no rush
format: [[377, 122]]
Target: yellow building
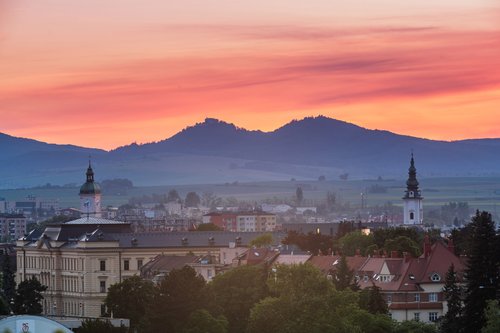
[[79, 260]]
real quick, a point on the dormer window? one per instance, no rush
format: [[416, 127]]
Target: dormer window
[[435, 277]]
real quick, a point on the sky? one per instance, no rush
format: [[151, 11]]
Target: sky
[[104, 73]]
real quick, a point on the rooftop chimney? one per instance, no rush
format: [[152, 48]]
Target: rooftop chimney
[[427, 246], [451, 246]]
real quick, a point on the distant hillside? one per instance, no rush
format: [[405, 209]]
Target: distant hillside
[[215, 151]]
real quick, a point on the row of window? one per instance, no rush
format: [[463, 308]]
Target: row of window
[[71, 264], [433, 316], [37, 262], [431, 297], [71, 284], [126, 264]]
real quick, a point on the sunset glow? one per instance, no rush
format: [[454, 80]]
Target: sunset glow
[[108, 73]]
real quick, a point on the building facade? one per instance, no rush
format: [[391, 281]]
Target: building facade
[[242, 221], [412, 287], [80, 259], [12, 226]]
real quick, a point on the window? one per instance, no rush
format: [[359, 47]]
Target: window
[[103, 310], [412, 216], [417, 297], [139, 264], [102, 264], [102, 286], [209, 274], [433, 316], [126, 265], [435, 277], [389, 298], [416, 316], [433, 297]]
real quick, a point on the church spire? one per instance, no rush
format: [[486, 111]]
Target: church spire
[[412, 190], [90, 173]]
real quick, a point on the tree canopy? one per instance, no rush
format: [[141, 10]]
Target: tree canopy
[[235, 293], [482, 271], [130, 298], [28, 297], [262, 240], [192, 200]]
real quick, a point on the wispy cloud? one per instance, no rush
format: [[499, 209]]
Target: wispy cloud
[[330, 68]]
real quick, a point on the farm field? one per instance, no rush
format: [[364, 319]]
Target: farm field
[[480, 192]]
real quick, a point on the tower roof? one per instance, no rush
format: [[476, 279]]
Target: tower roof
[[90, 186], [412, 190]]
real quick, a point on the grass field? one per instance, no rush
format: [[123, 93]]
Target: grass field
[[481, 193]]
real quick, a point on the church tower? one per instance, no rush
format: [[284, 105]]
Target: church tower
[[413, 209], [90, 196]]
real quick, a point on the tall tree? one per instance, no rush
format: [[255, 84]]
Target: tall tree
[[371, 300], [299, 195], [192, 199], [179, 294], [481, 271], [353, 241], [451, 321], [173, 195], [209, 199], [130, 298], [403, 244], [8, 279], [28, 297], [236, 292], [492, 315], [342, 275], [306, 301], [201, 321]]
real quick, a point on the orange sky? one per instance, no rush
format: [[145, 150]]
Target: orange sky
[[108, 73]]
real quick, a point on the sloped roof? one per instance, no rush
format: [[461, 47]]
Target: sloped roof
[[94, 220], [165, 263], [292, 259], [327, 263], [439, 262], [260, 255]]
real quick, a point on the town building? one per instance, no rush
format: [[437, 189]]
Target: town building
[[12, 226], [412, 287], [242, 221], [80, 259], [413, 208]]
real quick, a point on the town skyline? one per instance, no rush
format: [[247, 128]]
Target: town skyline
[[104, 75]]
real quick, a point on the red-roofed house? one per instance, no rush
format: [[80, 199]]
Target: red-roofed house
[[412, 287]]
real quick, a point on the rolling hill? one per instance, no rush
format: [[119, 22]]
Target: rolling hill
[[215, 151]]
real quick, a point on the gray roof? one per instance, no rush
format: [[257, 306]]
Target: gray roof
[[190, 239], [94, 220]]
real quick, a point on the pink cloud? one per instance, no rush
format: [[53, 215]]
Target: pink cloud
[[377, 65]]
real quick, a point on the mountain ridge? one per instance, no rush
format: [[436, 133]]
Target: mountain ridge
[[217, 151]]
